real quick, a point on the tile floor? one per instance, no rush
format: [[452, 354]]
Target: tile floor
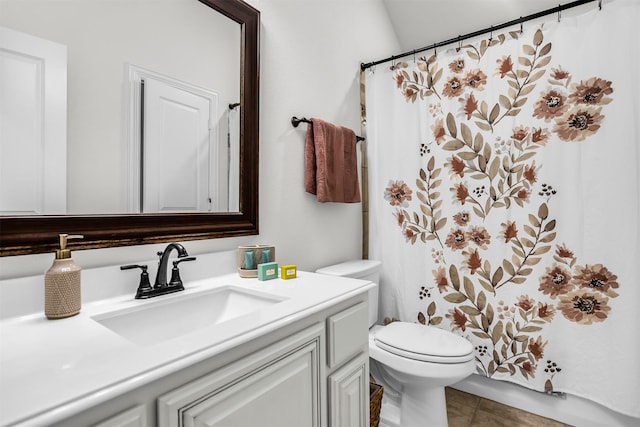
[[468, 410]]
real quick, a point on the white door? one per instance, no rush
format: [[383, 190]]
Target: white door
[[179, 159], [33, 125]]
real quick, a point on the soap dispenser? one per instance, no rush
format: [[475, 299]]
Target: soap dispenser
[[62, 283]]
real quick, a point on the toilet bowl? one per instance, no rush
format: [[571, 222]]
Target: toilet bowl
[[413, 362], [418, 362]]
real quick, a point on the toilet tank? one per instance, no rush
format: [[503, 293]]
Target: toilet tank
[[363, 269]]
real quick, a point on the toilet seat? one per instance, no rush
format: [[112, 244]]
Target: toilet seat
[[423, 343]]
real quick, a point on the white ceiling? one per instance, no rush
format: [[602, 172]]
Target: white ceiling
[[421, 23]]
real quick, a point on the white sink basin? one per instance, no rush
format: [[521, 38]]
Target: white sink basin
[[178, 314]]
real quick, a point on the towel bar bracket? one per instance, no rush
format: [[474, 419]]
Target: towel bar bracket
[[296, 121]]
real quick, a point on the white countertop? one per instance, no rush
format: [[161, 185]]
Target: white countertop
[[52, 369]]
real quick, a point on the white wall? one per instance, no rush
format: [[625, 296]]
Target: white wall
[[310, 56]]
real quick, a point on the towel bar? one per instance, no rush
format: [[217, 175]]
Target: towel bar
[[296, 121]]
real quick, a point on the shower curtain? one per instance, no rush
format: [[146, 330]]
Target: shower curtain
[[505, 200]]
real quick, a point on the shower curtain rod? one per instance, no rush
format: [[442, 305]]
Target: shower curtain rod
[[557, 9]]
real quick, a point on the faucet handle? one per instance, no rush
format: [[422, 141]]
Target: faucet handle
[[175, 272], [144, 286]]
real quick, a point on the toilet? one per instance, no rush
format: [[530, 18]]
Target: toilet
[[413, 362]]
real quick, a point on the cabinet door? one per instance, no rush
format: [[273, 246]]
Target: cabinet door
[[278, 386], [348, 392]]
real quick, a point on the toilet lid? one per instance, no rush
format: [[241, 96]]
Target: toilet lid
[[425, 343]]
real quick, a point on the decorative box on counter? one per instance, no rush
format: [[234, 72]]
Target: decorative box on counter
[[288, 271], [250, 256], [268, 271]]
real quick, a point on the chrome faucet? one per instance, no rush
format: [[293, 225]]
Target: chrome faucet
[[161, 287]]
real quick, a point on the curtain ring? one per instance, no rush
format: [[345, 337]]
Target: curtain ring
[[459, 42], [491, 34], [599, 4], [521, 25], [559, 9]]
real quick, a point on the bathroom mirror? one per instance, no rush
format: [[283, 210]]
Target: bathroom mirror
[[34, 234]]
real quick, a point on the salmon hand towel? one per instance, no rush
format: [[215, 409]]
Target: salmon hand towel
[[331, 163]]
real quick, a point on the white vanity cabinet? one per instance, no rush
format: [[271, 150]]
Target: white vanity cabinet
[[283, 385], [309, 373]]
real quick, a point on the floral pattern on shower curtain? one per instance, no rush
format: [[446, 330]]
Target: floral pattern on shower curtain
[[505, 200]]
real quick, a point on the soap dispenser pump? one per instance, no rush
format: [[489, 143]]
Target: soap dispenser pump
[[62, 283]]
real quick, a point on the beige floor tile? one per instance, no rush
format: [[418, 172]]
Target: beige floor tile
[[468, 410], [493, 414], [461, 407]]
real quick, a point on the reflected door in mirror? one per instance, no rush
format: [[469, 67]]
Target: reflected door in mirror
[[179, 149], [33, 132]]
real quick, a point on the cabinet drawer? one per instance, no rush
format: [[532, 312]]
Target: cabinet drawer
[[348, 333]]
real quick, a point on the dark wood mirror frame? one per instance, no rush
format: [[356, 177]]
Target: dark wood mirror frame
[[36, 234]]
